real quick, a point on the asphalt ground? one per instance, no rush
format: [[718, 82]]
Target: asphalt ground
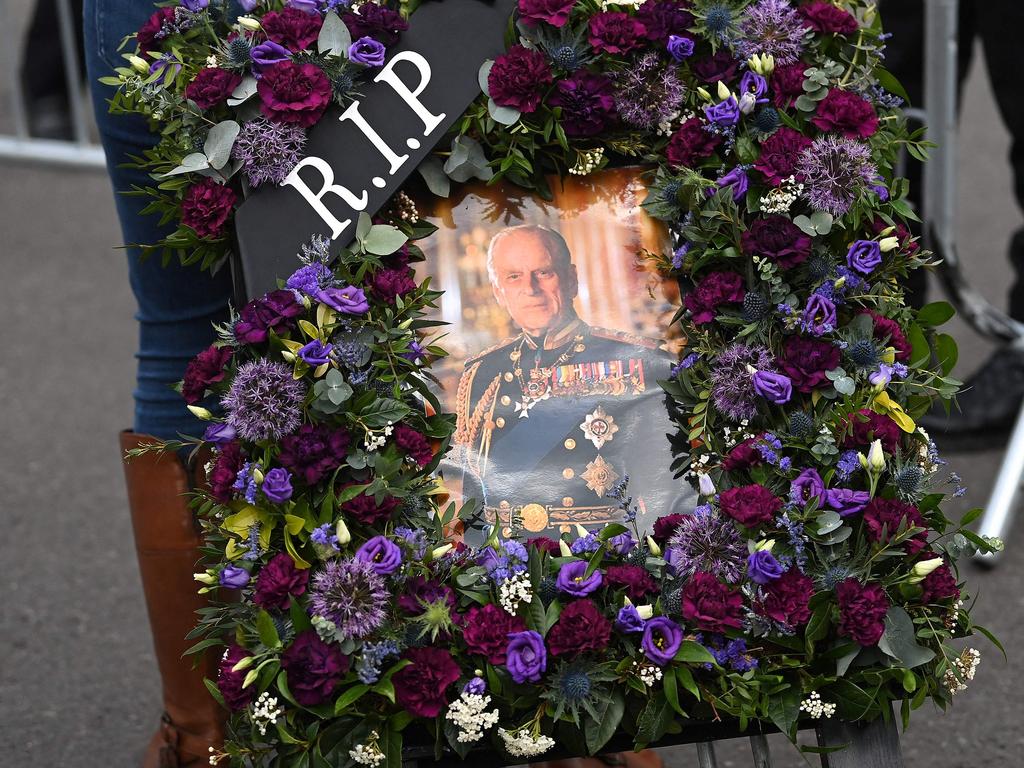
[[78, 685]]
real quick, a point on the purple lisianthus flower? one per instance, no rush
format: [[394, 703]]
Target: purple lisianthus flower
[[724, 113], [476, 686], [368, 52], [277, 485], [316, 352], [629, 619], [807, 485], [415, 353], [679, 48], [662, 638], [267, 54], [774, 387], [737, 180], [622, 544], [350, 300], [819, 316], [882, 376], [864, 256], [846, 501], [248, 5], [234, 577], [309, 6], [166, 60], [754, 84], [194, 5], [219, 434], [571, 579], [762, 567], [526, 657], [382, 554]]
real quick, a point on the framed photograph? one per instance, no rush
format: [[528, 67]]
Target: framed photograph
[[555, 319]]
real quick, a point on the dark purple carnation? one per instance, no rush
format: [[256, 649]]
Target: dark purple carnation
[[544, 544], [388, 284], [749, 505], [710, 605], [664, 527], [313, 668], [212, 86], [787, 598], [203, 370], [867, 426], [743, 455], [294, 29], [225, 470], [293, 93], [376, 21], [486, 631], [778, 239], [615, 32], [884, 517], [413, 444], [553, 12], [314, 451], [276, 311], [779, 153], [714, 290], [229, 682], [847, 114], [805, 361], [580, 627], [862, 609], [368, 511], [939, 586], [888, 331], [826, 18], [661, 640], [690, 144], [151, 34], [662, 18], [635, 580], [518, 79], [787, 84], [721, 67], [587, 103], [421, 687], [278, 581], [206, 207]]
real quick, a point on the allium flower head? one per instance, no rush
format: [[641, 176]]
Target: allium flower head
[[706, 541], [732, 381], [773, 28], [648, 93], [350, 594], [836, 172], [268, 150], [265, 401]]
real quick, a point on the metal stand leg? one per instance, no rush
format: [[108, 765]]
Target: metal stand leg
[[1001, 505], [762, 756], [706, 754]]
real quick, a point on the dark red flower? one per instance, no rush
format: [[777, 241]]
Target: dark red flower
[[388, 284], [278, 581], [827, 19], [294, 93], [229, 682], [553, 12], [787, 599], [862, 609], [867, 426], [805, 361], [847, 114], [939, 586], [376, 21], [225, 470], [779, 153], [314, 451], [518, 78], [155, 30], [710, 605], [887, 331], [743, 455], [368, 511], [206, 207], [544, 544], [721, 67], [883, 517], [714, 290], [313, 668], [414, 444], [419, 592], [296, 30], [204, 369], [212, 86], [690, 144], [778, 239], [787, 84], [421, 687], [276, 311], [665, 526], [635, 580], [616, 32], [587, 103], [580, 627], [750, 505], [662, 18], [486, 630]]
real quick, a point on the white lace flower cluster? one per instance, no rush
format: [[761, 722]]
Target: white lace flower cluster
[[649, 674], [523, 744], [265, 712], [469, 713], [782, 197], [374, 441], [962, 671], [816, 708], [587, 161], [514, 591], [369, 753]]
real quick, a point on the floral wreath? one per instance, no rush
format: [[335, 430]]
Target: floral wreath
[[817, 575]]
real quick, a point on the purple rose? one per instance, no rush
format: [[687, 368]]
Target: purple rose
[[367, 51], [293, 93], [292, 28], [267, 54], [679, 48], [690, 144], [277, 485], [819, 316], [661, 640], [206, 206], [847, 114], [629, 620], [805, 361], [724, 113], [774, 387], [234, 577], [527, 658], [349, 300], [587, 103], [382, 555], [777, 238], [248, 5], [313, 668], [194, 5], [571, 579], [211, 87], [276, 311], [278, 581], [762, 567], [615, 32], [807, 485], [846, 501], [737, 181], [518, 79], [306, 6], [553, 12], [219, 434], [779, 153], [316, 352], [864, 256], [622, 544]]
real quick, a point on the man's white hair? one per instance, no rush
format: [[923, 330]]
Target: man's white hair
[[554, 242]]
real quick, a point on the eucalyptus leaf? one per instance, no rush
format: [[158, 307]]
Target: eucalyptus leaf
[[467, 161], [245, 91], [192, 163], [219, 142], [805, 224], [503, 115], [483, 74], [828, 522], [334, 39], [822, 221], [845, 385], [432, 171], [838, 536], [383, 239], [898, 640]]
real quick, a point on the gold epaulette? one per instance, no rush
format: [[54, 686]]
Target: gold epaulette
[[493, 348], [462, 396], [625, 337]]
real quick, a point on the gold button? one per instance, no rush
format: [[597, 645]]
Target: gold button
[[568, 473], [570, 443], [506, 400], [568, 501], [499, 422], [508, 376]]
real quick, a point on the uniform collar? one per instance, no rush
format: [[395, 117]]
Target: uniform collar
[[558, 336]]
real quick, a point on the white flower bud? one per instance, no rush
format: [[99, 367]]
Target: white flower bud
[[248, 22], [705, 484], [200, 412], [764, 545], [139, 64], [257, 475], [889, 244], [703, 93], [645, 611], [723, 91], [205, 578], [653, 546], [564, 548], [876, 457], [441, 551], [922, 568], [747, 103], [342, 532], [581, 531]]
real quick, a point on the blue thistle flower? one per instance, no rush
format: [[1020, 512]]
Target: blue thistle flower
[[718, 19], [767, 120], [575, 684]]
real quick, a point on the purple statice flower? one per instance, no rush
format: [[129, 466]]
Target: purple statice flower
[[847, 465], [585, 544], [372, 657], [884, 99], [629, 620], [316, 352], [679, 254], [732, 382], [687, 362], [245, 482], [769, 445], [265, 401], [350, 594], [253, 551], [771, 27], [819, 315], [415, 539], [268, 151], [795, 533], [324, 536], [310, 279], [853, 283], [679, 47], [706, 541], [836, 172], [648, 93]]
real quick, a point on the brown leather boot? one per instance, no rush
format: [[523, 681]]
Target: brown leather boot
[[167, 543], [646, 758]]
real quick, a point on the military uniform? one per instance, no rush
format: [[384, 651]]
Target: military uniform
[[547, 427]]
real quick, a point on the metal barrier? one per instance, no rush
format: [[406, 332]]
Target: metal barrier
[[80, 151]]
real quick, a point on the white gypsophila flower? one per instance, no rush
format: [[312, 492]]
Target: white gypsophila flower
[[523, 744], [648, 674], [816, 708], [265, 712], [469, 713], [514, 591], [368, 754], [961, 671], [587, 161], [781, 198]]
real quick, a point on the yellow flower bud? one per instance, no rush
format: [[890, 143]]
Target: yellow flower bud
[[922, 568], [248, 22], [839, 282], [200, 412], [765, 545], [645, 611], [441, 551], [257, 475], [243, 664], [205, 578], [653, 546], [723, 91], [139, 64], [342, 532], [889, 244], [581, 531], [250, 678], [703, 93]]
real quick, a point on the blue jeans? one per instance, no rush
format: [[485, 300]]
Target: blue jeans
[[176, 305]]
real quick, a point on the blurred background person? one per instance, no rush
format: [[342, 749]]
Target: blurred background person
[[43, 78]]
